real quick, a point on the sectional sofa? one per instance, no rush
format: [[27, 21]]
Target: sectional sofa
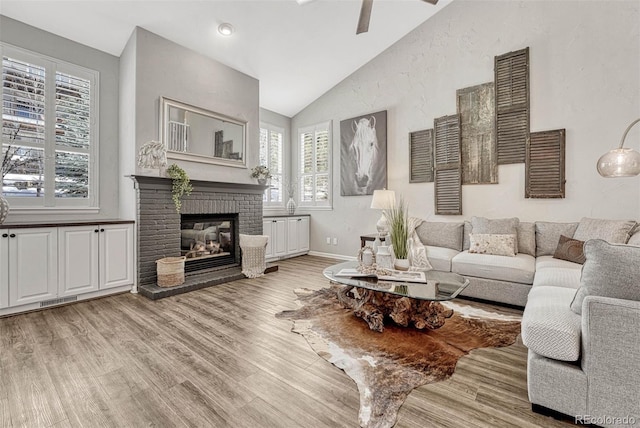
[[581, 323]]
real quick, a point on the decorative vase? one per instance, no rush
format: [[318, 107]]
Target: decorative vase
[[4, 209], [262, 181], [401, 264], [383, 257], [291, 206]]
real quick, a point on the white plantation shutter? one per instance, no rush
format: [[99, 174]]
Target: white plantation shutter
[[48, 131], [315, 165], [272, 156]]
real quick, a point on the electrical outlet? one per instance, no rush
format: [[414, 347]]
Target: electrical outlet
[[328, 241], [335, 241]]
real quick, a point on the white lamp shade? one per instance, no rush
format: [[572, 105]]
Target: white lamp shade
[[383, 199], [621, 162]]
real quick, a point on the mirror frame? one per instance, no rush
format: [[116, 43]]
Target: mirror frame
[[166, 103]]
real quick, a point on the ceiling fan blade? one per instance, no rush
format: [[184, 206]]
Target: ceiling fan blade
[[431, 1], [365, 16]]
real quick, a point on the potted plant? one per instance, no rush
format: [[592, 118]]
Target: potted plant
[[262, 173], [398, 219], [181, 185]]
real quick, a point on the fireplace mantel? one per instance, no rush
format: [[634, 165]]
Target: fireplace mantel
[[150, 182]]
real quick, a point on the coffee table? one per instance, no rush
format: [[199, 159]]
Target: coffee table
[[403, 302]]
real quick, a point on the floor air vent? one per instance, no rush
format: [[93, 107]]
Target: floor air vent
[[58, 301]]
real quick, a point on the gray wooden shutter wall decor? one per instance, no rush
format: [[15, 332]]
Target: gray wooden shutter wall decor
[[476, 107], [545, 176], [448, 167], [421, 156], [512, 105]]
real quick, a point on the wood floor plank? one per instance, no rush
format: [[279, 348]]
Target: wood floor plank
[[219, 357]]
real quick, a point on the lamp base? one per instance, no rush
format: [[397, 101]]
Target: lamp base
[[382, 226]]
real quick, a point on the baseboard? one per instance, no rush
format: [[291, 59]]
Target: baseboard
[[331, 255]]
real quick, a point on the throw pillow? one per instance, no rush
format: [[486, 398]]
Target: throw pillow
[[198, 226], [501, 226], [467, 232], [441, 234], [610, 270], [570, 250], [635, 236], [527, 238], [612, 231], [495, 244], [548, 235]]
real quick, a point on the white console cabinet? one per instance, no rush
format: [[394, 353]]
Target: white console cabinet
[[288, 236], [43, 266]]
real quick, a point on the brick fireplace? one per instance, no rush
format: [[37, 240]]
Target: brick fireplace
[[159, 228]]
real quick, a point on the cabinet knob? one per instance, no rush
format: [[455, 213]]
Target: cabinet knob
[[96, 230], [5, 235], [274, 221], [101, 230], [299, 219], [13, 235]]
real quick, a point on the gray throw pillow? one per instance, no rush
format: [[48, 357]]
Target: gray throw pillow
[[548, 234], [501, 226], [527, 238], [612, 231], [466, 242], [441, 234], [635, 236], [610, 270]]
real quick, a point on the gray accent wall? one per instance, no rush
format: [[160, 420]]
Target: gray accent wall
[[585, 63], [27, 37]]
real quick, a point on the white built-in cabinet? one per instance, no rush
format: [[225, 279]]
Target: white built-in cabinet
[[288, 236], [51, 265]]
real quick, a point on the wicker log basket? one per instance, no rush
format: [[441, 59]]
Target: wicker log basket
[[170, 271]]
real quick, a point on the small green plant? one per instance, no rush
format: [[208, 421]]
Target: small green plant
[[181, 185], [260, 172], [398, 219]]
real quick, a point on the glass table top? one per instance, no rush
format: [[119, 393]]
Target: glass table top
[[439, 286]]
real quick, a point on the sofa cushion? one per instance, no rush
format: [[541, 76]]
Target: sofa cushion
[[549, 327], [441, 234], [612, 231], [498, 245], [440, 257], [611, 270], [570, 249], [548, 235], [467, 232], [557, 273], [506, 226], [527, 238], [520, 268]]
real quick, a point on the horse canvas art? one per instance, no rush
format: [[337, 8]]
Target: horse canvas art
[[363, 154]]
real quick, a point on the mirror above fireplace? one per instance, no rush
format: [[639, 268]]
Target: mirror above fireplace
[[199, 135]]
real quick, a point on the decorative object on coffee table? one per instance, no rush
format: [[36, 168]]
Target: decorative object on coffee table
[[398, 218], [261, 173], [387, 367], [620, 162], [181, 185]]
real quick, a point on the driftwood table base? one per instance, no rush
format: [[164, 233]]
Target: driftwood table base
[[375, 306]]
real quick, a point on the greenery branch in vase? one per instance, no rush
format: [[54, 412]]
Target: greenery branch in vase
[[181, 185], [291, 191], [398, 220], [262, 173]]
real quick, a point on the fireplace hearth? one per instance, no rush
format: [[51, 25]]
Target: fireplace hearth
[[206, 231]]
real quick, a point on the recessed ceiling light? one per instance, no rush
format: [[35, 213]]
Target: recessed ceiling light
[[225, 29]]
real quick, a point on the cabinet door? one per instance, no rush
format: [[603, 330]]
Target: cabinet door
[[116, 255], [267, 230], [78, 260], [303, 234], [4, 268], [33, 265], [280, 237], [292, 235]]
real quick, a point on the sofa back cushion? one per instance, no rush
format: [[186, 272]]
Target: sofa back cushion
[[527, 238], [612, 231], [466, 242], [441, 234], [635, 236], [610, 270], [548, 235], [502, 226]]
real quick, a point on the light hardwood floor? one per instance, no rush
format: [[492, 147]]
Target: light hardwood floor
[[218, 357]]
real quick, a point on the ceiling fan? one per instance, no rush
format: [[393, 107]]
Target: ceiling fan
[[365, 13]]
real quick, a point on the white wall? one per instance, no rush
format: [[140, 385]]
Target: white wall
[[27, 37], [585, 77]]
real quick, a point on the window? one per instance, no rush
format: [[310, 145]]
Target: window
[[49, 128], [315, 165], [271, 155]]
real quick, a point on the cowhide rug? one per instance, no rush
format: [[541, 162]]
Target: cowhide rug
[[387, 366]]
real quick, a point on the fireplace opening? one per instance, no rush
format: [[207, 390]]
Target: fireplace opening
[[208, 241]]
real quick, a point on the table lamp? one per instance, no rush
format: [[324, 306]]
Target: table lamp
[[383, 200]]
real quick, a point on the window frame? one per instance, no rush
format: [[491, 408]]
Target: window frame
[[315, 205], [266, 204], [49, 202]]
